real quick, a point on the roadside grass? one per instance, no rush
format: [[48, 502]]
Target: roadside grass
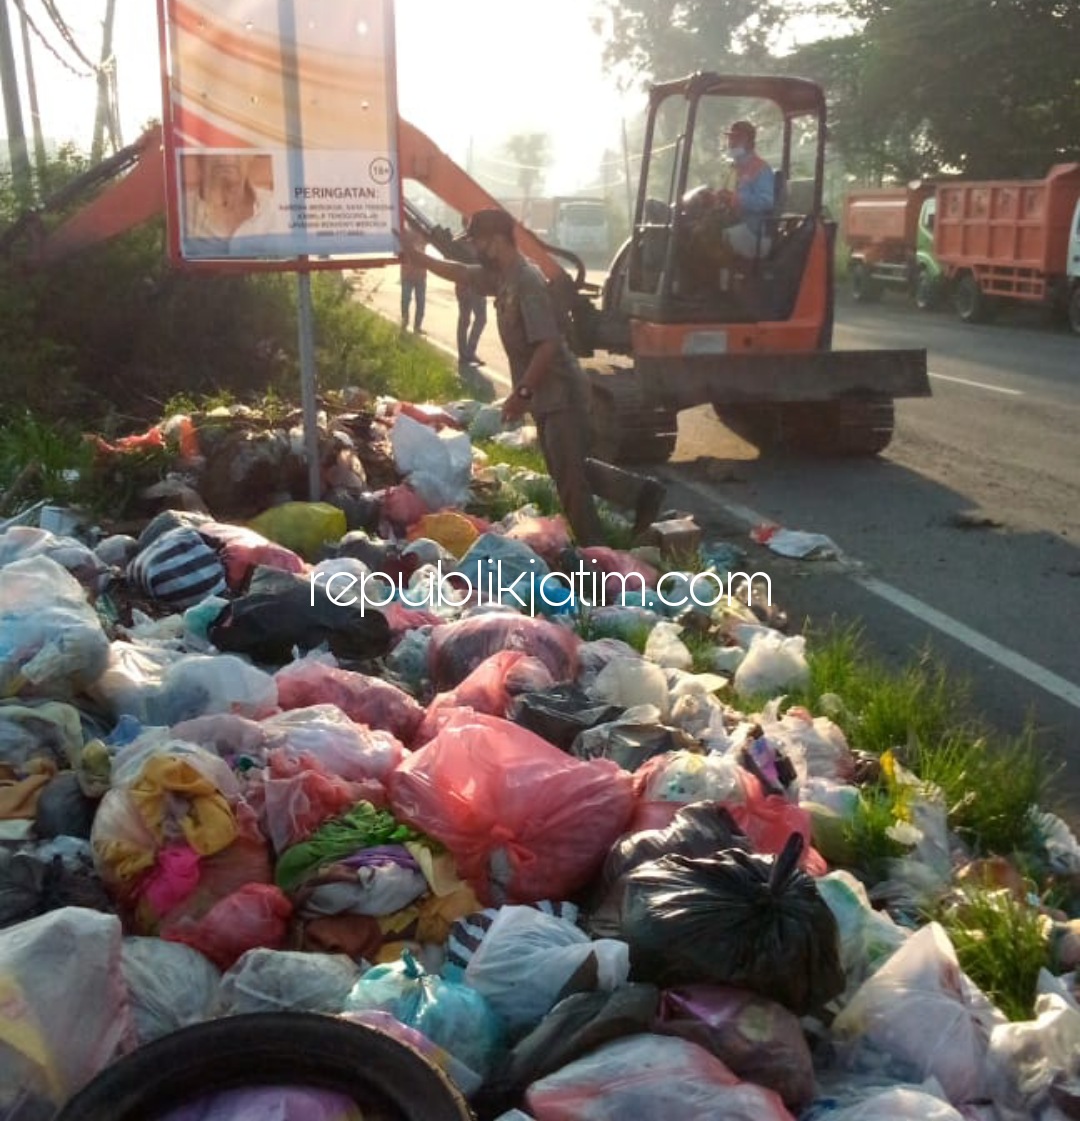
[[46, 451], [1001, 944], [524, 459]]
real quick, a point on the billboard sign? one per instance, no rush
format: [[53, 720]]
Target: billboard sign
[[281, 129]]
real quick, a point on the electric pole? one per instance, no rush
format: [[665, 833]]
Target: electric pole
[[9, 87], [41, 158], [103, 115]]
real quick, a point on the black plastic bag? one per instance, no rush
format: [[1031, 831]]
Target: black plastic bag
[[63, 810], [575, 1026], [630, 743], [741, 919], [699, 829], [560, 713], [278, 614]]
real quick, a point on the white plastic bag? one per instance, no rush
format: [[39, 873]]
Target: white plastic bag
[[1024, 1059], [266, 980], [898, 1103], [170, 986], [918, 1017], [527, 957], [631, 681], [773, 663], [666, 648], [352, 751], [437, 465], [51, 642], [64, 1012]]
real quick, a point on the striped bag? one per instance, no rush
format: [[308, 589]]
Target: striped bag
[[178, 568]]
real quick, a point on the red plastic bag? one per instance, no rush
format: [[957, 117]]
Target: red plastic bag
[[458, 648], [769, 820], [621, 569], [367, 700], [255, 915], [523, 820], [241, 549], [402, 507]]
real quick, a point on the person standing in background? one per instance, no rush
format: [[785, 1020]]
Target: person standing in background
[[472, 304], [413, 279]]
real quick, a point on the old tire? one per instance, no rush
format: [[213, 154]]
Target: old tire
[[969, 301], [1074, 309], [864, 288], [926, 291], [301, 1048]]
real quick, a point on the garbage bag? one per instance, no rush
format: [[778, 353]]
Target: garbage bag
[[51, 641], [169, 986], [632, 681], [773, 663], [437, 465], [894, 1103], [576, 1025], [253, 915], [561, 713], [265, 980], [760, 1040], [650, 1078], [501, 569], [453, 1016], [342, 746], [42, 878], [63, 810], [64, 1012], [737, 919], [49, 731], [629, 741], [458, 648], [178, 568], [269, 1103], [23, 542], [523, 820], [452, 531], [698, 829], [1026, 1061], [283, 611], [918, 1017], [528, 960], [302, 527], [367, 700]]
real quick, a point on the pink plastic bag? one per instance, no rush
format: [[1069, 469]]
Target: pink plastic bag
[[488, 689], [255, 915], [457, 649], [547, 537], [241, 549], [616, 565], [402, 507], [523, 820], [367, 700], [760, 1040], [650, 1078], [769, 820]]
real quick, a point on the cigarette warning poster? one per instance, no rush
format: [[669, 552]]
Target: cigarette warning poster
[[281, 128]]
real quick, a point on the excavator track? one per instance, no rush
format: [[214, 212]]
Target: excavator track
[[625, 428], [848, 426]]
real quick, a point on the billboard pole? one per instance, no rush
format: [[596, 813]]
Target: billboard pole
[[308, 389]]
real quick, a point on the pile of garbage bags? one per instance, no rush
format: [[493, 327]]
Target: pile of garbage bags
[[573, 880]]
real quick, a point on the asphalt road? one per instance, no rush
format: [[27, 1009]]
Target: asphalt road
[[964, 537]]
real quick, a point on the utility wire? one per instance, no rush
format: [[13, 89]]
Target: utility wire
[[21, 5], [66, 35]]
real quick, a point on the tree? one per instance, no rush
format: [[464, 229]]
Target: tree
[[531, 153], [989, 88]]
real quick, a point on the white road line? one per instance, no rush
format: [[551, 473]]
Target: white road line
[[1023, 667], [979, 385]]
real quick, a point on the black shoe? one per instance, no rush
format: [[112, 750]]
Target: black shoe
[[650, 502]]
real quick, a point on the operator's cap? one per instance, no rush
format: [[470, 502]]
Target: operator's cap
[[488, 223], [743, 128]]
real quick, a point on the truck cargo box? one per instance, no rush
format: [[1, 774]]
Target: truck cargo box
[[884, 216], [1016, 224]]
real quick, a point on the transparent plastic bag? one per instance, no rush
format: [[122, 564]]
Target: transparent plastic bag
[[51, 641], [340, 744], [773, 663], [526, 960], [170, 986], [437, 465], [265, 980]]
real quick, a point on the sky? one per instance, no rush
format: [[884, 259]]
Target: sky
[[470, 75]]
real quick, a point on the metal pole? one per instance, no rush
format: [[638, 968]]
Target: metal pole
[[308, 390], [626, 176], [9, 86], [102, 112], [40, 156]]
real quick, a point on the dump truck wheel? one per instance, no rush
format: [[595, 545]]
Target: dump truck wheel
[[969, 300], [864, 288], [845, 427], [268, 1049], [1074, 310], [926, 291]]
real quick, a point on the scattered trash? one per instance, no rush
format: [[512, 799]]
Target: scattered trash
[[795, 543]]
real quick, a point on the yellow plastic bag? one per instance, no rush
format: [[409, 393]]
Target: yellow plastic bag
[[454, 532], [301, 526]]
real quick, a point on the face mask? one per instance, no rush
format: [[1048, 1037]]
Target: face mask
[[738, 153]]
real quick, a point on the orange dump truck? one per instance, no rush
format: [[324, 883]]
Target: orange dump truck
[[1011, 240], [889, 233]]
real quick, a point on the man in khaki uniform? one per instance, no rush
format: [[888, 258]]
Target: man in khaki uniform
[[546, 378]]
